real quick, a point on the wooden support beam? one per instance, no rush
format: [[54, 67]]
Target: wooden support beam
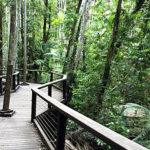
[[33, 110]]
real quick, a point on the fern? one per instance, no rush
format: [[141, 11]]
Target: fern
[[142, 135]]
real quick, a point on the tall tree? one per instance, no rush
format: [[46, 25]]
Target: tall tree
[[82, 34], [111, 53], [71, 36], [22, 32], [25, 45], [45, 21], [11, 52], [17, 29], [1, 37], [73, 55], [71, 78], [46, 17]]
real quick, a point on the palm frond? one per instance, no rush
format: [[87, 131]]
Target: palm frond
[[136, 106], [145, 133]]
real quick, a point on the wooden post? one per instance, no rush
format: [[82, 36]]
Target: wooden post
[[50, 86], [18, 78], [35, 77], [64, 92], [61, 132], [1, 86], [14, 82], [33, 111]]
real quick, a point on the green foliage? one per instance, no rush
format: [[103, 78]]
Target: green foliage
[[143, 136], [139, 4], [129, 80]]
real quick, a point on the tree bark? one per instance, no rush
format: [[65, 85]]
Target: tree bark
[[12, 43], [22, 34], [75, 46], [17, 28], [1, 38], [84, 55], [25, 45], [72, 63], [48, 32], [71, 78], [45, 22], [71, 37], [82, 34], [110, 53]]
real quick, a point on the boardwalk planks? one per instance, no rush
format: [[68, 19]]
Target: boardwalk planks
[[17, 133]]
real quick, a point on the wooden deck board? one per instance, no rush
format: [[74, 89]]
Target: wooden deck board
[[17, 132]]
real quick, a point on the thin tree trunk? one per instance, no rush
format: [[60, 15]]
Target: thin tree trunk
[[12, 44], [48, 32], [75, 46], [1, 38], [71, 78], [17, 28], [45, 22], [25, 45], [71, 74], [72, 63], [110, 53], [84, 55], [22, 32], [71, 37], [82, 34]]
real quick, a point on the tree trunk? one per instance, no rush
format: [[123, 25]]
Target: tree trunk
[[75, 46], [71, 37], [25, 45], [1, 38], [110, 53], [84, 55], [48, 32], [45, 22], [17, 28], [82, 34], [72, 63], [12, 43], [71, 78], [22, 34]]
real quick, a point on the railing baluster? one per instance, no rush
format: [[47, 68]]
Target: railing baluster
[[61, 132], [33, 113]]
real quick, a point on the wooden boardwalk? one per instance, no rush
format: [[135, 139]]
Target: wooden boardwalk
[[17, 132]]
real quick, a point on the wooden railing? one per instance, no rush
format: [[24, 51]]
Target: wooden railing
[[15, 82], [34, 75], [52, 119]]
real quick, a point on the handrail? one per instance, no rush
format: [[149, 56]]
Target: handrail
[[51, 83], [64, 112], [15, 82], [3, 76]]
